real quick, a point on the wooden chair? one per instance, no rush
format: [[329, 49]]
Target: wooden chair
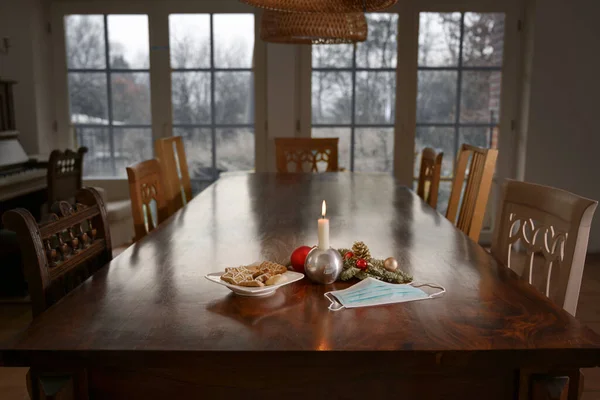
[[429, 176], [63, 177], [552, 226], [306, 154], [171, 155], [148, 200], [57, 257], [65, 169], [471, 210]]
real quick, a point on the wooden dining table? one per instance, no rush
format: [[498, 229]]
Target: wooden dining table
[[149, 325]]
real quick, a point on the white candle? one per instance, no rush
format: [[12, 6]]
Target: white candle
[[323, 229]]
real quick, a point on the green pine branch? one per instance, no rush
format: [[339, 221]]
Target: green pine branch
[[375, 270]]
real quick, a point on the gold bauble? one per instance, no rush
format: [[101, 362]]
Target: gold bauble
[[391, 264]]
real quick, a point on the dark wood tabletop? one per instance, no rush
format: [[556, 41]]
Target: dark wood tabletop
[[153, 298]]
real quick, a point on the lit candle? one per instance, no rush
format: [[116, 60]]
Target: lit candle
[[323, 229]]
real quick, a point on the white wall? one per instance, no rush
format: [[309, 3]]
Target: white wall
[[282, 71], [28, 61], [42, 76], [563, 138]]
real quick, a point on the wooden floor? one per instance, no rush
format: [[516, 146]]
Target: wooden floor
[[14, 317]]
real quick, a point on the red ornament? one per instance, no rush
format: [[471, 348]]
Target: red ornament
[[361, 263], [348, 255], [299, 257]]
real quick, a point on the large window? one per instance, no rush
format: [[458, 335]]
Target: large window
[[459, 82], [353, 96], [109, 90], [212, 88]]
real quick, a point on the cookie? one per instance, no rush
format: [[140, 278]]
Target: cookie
[[263, 277], [236, 276], [272, 268], [253, 276], [252, 283], [275, 280]]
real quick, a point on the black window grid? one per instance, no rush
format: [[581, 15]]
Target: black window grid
[[213, 125], [353, 125], [457, 124], [108, 71]]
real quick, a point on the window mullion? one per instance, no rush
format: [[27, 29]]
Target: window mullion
[[212, 98], [459, 82], [160, 75], [111, 136], [353, 111]]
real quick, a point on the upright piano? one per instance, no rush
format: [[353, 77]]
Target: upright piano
[[22, 184], [23, 179]]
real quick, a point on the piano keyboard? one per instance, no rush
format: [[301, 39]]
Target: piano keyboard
[[22, 182]]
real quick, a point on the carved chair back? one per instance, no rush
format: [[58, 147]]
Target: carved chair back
[[65, 169], [171, 155], [466, 209], [429, 176], [306, 154], [148, 198], [552, 226], [66, 250]]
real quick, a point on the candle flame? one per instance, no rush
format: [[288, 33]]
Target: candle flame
[[324, 209]]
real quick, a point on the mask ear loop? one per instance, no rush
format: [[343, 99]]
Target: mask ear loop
[[431, 285], [335, 305]]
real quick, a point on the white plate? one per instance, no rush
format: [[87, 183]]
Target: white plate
[[289, 276]]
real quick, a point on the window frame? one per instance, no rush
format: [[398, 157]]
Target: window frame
[[292, 117], [108, 70], [509, 139], [212, 70], [354, 70], [160, 77], [459, 69]]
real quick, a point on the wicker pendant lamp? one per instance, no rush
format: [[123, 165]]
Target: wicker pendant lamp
[[327, 28], [322, 6]]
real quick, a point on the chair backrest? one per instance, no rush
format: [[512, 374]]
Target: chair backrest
[[553, 227], [429, 176], [466, 209], [148, 197], [307, 154], [65, 251], [65, 169], [171, 155]]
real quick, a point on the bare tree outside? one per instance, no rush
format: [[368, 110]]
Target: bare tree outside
[[231, 128], [213, 97], [124, 137], [371, 70], [442, 122]]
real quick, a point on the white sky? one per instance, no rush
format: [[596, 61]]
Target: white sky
[[131, 31]]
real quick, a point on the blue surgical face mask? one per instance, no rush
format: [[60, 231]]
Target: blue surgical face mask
[[372, 292]]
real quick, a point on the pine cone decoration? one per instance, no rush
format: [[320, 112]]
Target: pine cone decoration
[[361, 250]]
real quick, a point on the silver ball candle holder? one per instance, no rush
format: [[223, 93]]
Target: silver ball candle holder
[[323, 266]]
